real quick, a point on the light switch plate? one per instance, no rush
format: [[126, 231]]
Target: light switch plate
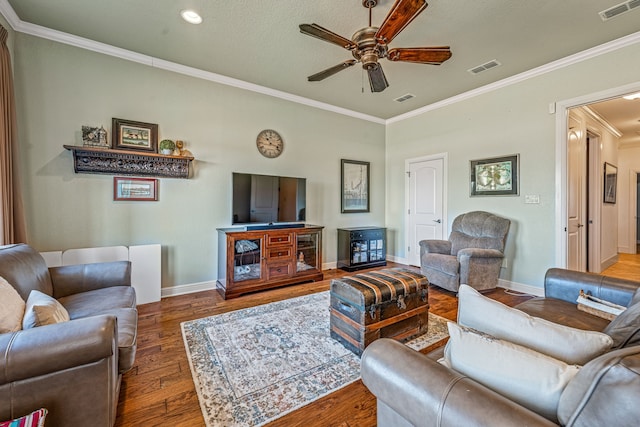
[[532, 199]]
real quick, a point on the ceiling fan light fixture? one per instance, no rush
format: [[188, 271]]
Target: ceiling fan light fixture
[[191, 16]]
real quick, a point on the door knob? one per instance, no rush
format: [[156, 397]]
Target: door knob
[[580, 225], [437, 220]]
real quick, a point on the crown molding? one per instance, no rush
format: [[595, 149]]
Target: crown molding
[[598, 118], [611, 46]]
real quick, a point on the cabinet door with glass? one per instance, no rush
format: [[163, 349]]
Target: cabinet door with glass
[[308, 256], [247, 258]]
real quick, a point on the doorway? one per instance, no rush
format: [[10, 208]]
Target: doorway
[[603, 227]]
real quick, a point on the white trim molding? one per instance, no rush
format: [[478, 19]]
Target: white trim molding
[[188, 289], [521, 287]]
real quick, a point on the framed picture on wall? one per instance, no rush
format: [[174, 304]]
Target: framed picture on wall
[[497, 176], [131, 135], [354, 181], [135, 189], [610, 183]]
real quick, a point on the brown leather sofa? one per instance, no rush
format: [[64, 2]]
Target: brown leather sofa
[[74, 368], [413, 389]]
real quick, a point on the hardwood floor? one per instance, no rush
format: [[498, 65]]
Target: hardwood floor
[[159, 389], [627, 267]]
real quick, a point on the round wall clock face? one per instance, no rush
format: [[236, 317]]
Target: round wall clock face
[[269, 143]]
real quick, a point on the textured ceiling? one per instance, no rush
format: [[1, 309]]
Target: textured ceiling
[[258, 41]]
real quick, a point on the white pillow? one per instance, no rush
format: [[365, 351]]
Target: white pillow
[[532, 379], [571, 345], [11, 308], [43, 310]]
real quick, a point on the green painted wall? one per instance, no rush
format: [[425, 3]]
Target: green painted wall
[[60, 88], [514, 119]]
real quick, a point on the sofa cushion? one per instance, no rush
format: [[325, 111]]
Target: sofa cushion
[[625, 328], [605, 391], [127, 336], [43, 310], [99, 301], [528, 377], [11, 308], [34, 419], [571, 345]]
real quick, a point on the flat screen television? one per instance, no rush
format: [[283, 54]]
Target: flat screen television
[[268, 200]]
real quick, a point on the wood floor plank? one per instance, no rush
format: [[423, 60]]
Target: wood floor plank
[[159, 389]]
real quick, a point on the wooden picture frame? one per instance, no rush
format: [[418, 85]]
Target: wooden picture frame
[[354, 184], [135, 189], [496, 176], [132, 135], [610, 186]]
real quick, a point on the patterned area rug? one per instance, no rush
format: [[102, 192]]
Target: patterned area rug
[[254, 365]]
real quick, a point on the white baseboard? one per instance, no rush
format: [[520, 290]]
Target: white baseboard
[[397, 259], [188, 289], [608, 262], [521, 287], [329, 265]]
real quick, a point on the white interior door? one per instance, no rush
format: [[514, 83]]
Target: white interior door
[[576, 206], [425, 213]]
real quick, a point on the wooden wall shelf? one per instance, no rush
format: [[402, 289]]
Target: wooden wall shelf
[[127, 162]]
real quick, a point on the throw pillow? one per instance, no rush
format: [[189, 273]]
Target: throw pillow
[[625, 328], [34, 419], [532, 379], [571, 345], [43, 310], [11, 308]]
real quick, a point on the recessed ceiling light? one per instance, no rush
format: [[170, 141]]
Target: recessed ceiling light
[[191, 16], [632, 96]]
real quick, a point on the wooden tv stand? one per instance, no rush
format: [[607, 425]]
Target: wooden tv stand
[[255, 260]]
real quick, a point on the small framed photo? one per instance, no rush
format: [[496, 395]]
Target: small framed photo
[[610, 183], [496, 176], [135, 189], [131, 135], [354, 181]]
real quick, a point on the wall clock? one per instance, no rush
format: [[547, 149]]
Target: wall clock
[[269, 143]]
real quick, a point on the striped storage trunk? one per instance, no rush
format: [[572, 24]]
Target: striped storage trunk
[[389, 303]]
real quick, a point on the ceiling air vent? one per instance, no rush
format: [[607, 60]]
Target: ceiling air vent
[[405, 97], [619, 9], [486, 66]]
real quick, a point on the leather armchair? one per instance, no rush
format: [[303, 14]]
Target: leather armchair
[[73, 368], [472, 255], [413, 389]]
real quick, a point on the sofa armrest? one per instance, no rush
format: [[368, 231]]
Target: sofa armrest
[[73, 279], [46, 349], [424, 392], [565, 285], [435, 247]]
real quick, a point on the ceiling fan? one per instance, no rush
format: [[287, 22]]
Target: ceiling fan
[[370, 44]]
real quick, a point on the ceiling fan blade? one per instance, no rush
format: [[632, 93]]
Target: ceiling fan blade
[[422, 55], [331, 71], [315, 30], [401, 14], [377, 80]]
